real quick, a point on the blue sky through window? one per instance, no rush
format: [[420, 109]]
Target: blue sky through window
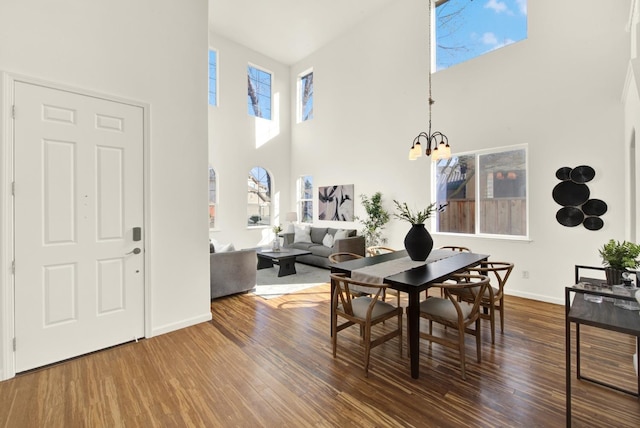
[[259, 93], [466, 29], [213, 78]]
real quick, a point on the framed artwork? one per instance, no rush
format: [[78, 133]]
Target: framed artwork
[[335, 203]]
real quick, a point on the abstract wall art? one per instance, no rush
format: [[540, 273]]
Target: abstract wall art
[[335, 203]]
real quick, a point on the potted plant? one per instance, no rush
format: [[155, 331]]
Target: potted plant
[[375, 221], [617, 257], [418, 241]]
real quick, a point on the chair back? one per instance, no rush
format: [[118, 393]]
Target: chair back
[[343, 296], [378, 249], [343, 257], [498, 271], [456, 248], [466, 285]]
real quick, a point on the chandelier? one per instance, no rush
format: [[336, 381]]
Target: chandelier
[[440, 142]]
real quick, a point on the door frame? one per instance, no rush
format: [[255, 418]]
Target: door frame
[[7, 284]]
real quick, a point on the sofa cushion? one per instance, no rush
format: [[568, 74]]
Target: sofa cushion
[[327, 241], [321, 250], [341, 234], [317, 234], [303, 245], [350, 232], [302, 233]]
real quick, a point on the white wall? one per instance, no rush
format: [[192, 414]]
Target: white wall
[[238, 142], [559, 92], [151, 51]]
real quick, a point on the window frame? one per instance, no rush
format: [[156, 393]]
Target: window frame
[[216, 89], [300, 105], [250, 111], [213, 203], [300, 201], [260, 224], [477, 194]]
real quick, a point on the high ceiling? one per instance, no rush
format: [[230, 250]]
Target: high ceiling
[[287, 30]]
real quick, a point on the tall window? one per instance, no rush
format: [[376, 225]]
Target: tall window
[[259, 197], [305, 198], [468, 29], [259, 93], [305, 96], [485, 193], [213, 77], [213, 197]]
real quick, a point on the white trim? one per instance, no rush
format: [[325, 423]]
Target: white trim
[[167, 328], [7, 315]]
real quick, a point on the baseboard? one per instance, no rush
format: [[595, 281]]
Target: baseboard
[[167, 328], [533, 296]]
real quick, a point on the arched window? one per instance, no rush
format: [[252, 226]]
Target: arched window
[[259, 197], [213, 197]]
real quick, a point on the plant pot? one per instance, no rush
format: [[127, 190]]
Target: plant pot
[[418, 242], [614, 276]]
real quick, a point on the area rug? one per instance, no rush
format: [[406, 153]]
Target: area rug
[[270, 286]]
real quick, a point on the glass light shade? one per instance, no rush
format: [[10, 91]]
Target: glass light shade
[[445, 151], [435, 154], [418, 148]]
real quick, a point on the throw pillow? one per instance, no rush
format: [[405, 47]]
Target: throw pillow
[[302, 234], [327, 241], [341, 234], [226, 248]]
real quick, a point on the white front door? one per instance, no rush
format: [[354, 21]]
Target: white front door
[[79, 287]]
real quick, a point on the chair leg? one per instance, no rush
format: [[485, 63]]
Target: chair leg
[[461, 351], [334, 335], [492, 319], [502, 314], [478, 341], [400, 335], [367, 349]]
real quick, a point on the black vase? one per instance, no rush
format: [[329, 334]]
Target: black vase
[[418, 242], [614, 276]]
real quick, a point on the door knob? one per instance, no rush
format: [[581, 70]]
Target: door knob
[[134, 251]]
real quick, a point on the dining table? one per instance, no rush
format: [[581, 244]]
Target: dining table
[[412, 277]]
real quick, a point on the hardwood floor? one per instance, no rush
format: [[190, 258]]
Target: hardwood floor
[[268, 363]]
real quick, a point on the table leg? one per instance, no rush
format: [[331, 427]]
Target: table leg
[[287, 266], [264, 263], [567, 351], [413, 327]]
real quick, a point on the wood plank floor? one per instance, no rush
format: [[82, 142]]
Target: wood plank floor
[[268, 363]]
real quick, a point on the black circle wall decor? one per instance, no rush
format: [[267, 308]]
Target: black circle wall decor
[[582, 174], [594, 207], [573, 194], [593, 223], [563, 173], [570, 216]]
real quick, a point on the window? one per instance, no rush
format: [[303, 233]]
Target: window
[[305, 96], [259, 197], [259, 93], [305, 198], [468, 29], [213, 77], [213, 197], [485, 193]]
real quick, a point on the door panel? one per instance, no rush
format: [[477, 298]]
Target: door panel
[[79, 194]]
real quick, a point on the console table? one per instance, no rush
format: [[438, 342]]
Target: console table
[[603, 315]]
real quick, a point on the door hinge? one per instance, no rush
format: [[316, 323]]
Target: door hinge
[[13, 188], [13, 267], [14, 344], [13, 111]]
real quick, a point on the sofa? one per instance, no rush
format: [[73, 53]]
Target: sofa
[[323, 241], [232, 272]]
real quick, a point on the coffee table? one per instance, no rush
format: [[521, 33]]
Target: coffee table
[[285, 258]]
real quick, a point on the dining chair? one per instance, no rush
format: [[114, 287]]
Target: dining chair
[[365, 311], [455, 248], [378, 249], [493, 297], [455, 314], [343, 257]]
